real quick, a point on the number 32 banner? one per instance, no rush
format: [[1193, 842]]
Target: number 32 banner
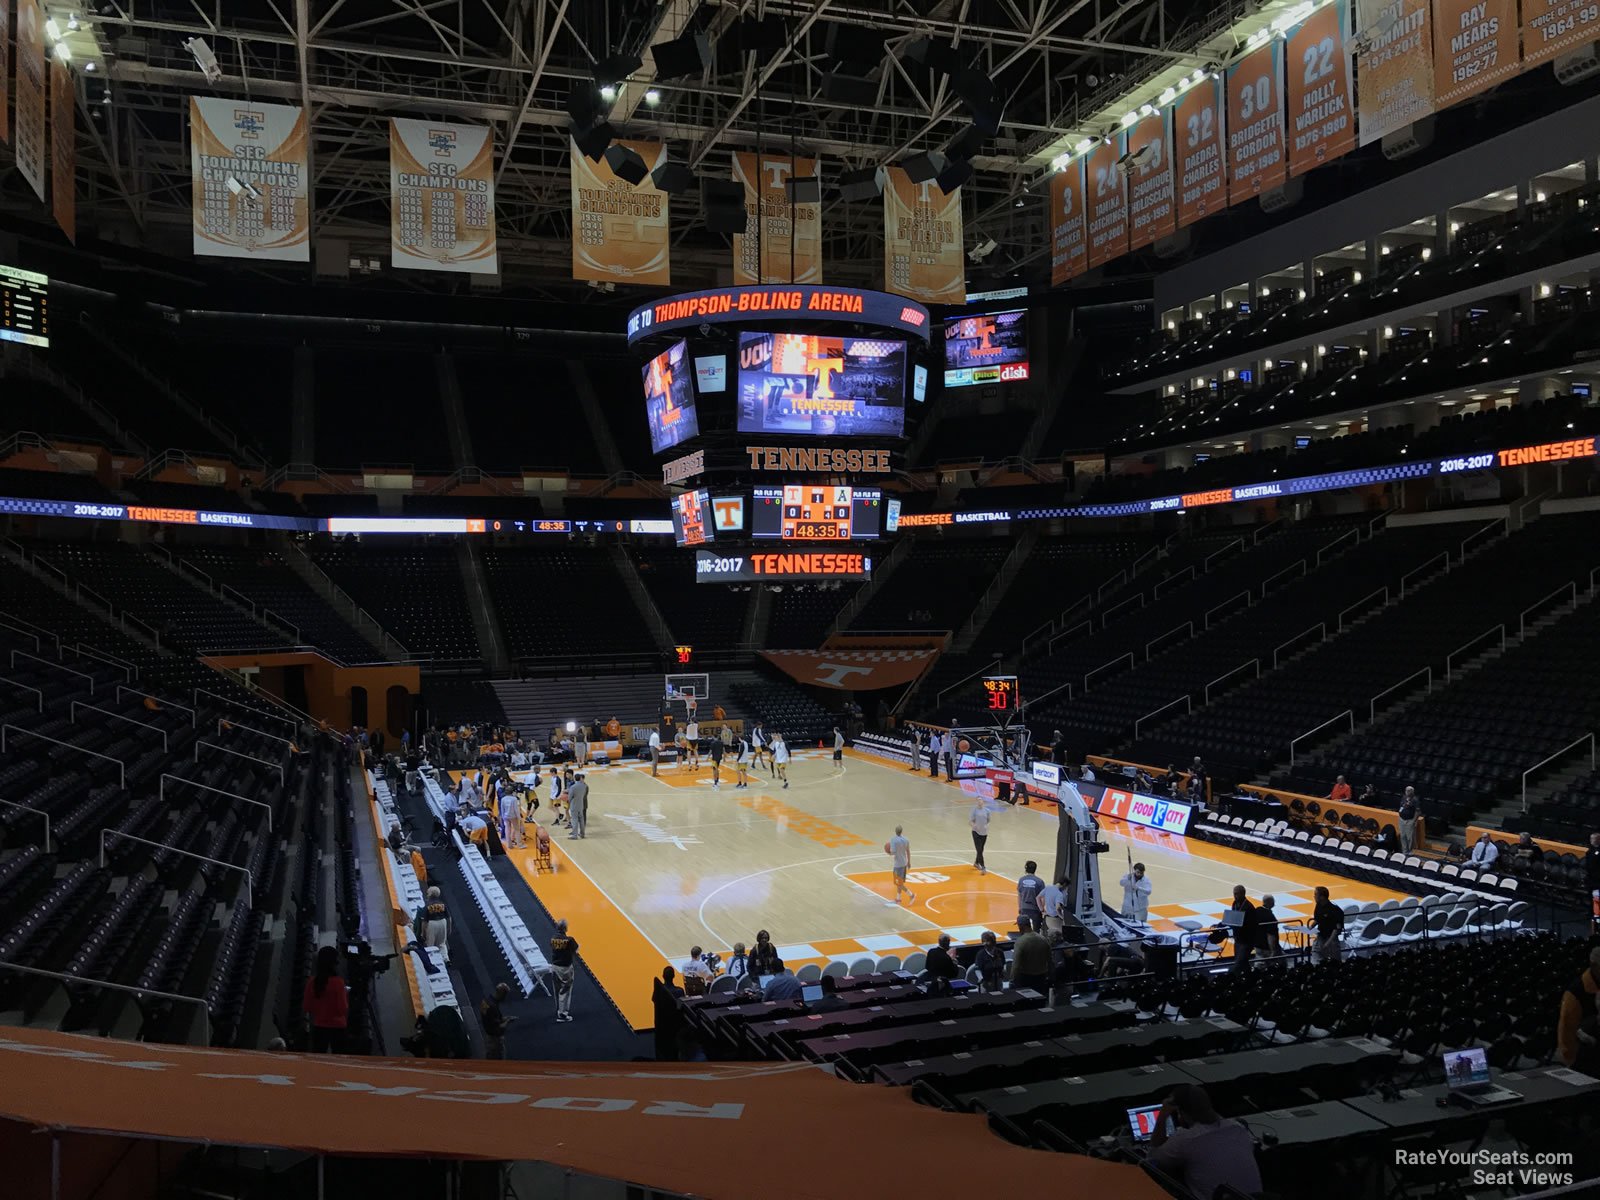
[[441, 190]]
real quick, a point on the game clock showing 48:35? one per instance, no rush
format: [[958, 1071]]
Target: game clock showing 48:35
[[1000, 693]]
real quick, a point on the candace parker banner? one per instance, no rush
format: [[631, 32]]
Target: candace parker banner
[[441, 193], [1150, 214], [923, 255], [782, 241], [1396, 65], [1256, 161], [851, 670], [1475, 47], [1552, 27], [64, 148], [1321, 97], [1108, 202], [31, 146], [1068, 233], [620, 233], [1197, 159], [259, 147]]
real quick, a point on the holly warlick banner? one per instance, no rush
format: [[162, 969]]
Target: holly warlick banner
[[1321, 97]]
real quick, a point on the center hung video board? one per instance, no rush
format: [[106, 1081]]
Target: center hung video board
[[692, 518], [987, 348], [816, 512], [809, 385], [669, 398]]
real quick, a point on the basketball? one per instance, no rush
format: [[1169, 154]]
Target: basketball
[[963, 745], [886, 849]]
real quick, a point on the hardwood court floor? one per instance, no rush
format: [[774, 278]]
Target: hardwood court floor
[[671, 863]]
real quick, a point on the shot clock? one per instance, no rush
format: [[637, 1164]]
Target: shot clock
[[1000, 694]]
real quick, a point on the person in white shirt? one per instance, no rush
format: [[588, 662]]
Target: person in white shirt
[[1136, 889], [780, 758], [935, 745], [1484, 852], [979, 820], [838, 750], [1052, 899], [741, 763], [655, 753], [696, 968], [899, 850], [758, 742], [691, 739]]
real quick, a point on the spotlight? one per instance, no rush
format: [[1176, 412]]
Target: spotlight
[[249, 190], [52, 30], [864, 184], [608, 92], [205, 59], [616, 68], [72, 23], [63, 52], [652, 97], [89, 66], [984, 247]]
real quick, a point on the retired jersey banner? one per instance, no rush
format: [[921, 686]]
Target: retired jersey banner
[[441, 192], [1108, 202], [1197, 156], [782, 241], [5, 70], [923, 254], [1475, 46], [251, 180], [1256, 160], [1549, 28], [1150, 214], [1068, 232], [1321, 96], [620, 233], [1397, 66], [30, 139], [64, 148]]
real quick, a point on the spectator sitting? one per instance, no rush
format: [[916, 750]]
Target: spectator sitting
[[1341, 790], [941, 963], [1030, 962], [764, 958], [1577, 1034], [991, 962], [1069, 970], [1484, 852], [738, 962], [1205, 1152], [1121, 958], [781, 987], [1524, 854], [697, 974], [830, 1001]]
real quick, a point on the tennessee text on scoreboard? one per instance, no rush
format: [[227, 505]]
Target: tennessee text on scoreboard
[[441, 190], [712, 567], [250, 180]]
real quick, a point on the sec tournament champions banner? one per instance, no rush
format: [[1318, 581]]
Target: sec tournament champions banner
[[620, 233], [1068, 240], [5, 70], [1551, 27], [64, 148], [1396, 66], [30, 137], [1150, 214], [785, 237], [1108, 202], [1474, 47], [923, 254], [250, 180], [441, 189], [1256, 161], [1320, 94], [1202, 185]]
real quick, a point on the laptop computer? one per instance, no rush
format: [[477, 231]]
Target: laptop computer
[[1142, 1121], [1467, 1074], [811, 992], [1233, 919]]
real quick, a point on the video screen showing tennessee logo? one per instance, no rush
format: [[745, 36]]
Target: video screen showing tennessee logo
[[991, 348], [803, 383], [669, 398]]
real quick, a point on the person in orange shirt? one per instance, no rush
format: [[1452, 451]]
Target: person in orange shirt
[[1341, 790]]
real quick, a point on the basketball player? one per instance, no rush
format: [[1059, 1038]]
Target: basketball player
[[758, 742], [741, 763], [838, 751], [899, 850], [716, 762], [780, 758], [691, 737]]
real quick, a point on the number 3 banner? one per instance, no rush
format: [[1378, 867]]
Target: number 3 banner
[[1320, 92], [1067, 240], [1202, 186], [1255, 123]]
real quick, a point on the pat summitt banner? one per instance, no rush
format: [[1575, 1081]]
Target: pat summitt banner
[[251, 179], [441, 190], [1396, 65]]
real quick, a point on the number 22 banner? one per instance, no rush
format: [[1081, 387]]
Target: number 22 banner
[[1255, 122], [1321, 97]]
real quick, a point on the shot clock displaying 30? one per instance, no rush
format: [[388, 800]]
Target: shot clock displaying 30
[[1000, 693]]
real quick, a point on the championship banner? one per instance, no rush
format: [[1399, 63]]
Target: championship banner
[[1549, 28], [1068, 240], [30, 136], [1321, 95], [251, 180], [851, 670], [782, 241], [5, 70], [1150, 214], [64, 148], [1202, 184], [620, 233], [1255, 123], [1475, 47], [1108, 202], [923, 254], [441, 197], [1397, 67]]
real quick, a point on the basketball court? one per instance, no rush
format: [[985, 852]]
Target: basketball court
[[671, 862]]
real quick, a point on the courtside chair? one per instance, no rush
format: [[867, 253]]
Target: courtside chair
[[889, 962], [862, 966], [836, 969], [915, 962], [723, 983], [809, 973]]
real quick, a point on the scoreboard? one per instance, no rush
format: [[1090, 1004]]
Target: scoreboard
[[1000, 694], [816, 512], [24, 307]]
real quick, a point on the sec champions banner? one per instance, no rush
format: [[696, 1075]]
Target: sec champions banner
[[441, 190], [782, 241], [1549, 28], [1150, 214], [1108, 202], [262, 149], [1474, 47], [1320, 92], [1397, 68], [64, 148], [1255, 123], [923, 256], [30, 142], [1202, 185], [1068, 241], [620, 233]]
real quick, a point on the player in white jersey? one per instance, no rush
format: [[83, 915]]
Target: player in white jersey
[[780, 758], [758, 743], [691, 737], [741, 763]]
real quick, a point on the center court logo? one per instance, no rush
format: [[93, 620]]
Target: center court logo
[[443, 142], [249, 123]]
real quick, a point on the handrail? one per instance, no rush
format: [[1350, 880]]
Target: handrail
[[1488, 529], [1050, 646], [82, 589], [1376, 521], [1186, 700], [1153, 551], [278, 767], [1384, 591], [943, 692], [249, 879], [1271, 579], [1104, 665], [1189, 625], [166, 775], [121, 766], [185, 564], [129, 671], [1588, 737], [1346, 713], [29, 629], [1449, 659], [240, 598], [277, 737], [282, 622], [1372, 705], [24, 687], [81, 981], [1352, 532], [1319, 626], [1405, 579], [1255, 662], [1592, 583], [1117, 580], [247, 707], [1522, 619], [1105, 614], [57, 666], [1187, 573], [1255, 537], [1205, 620], [151, 631], [1205, 563], [165, 703], [1030, 701], [72, 715], [39, 812]]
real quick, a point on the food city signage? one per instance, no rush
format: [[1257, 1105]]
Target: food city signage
[[802, 305], [830, 459]]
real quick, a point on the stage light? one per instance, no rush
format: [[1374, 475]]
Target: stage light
[[608, 92], [652, 97], [63, 52], [1129, 118], [52, 30], [204, 58]]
